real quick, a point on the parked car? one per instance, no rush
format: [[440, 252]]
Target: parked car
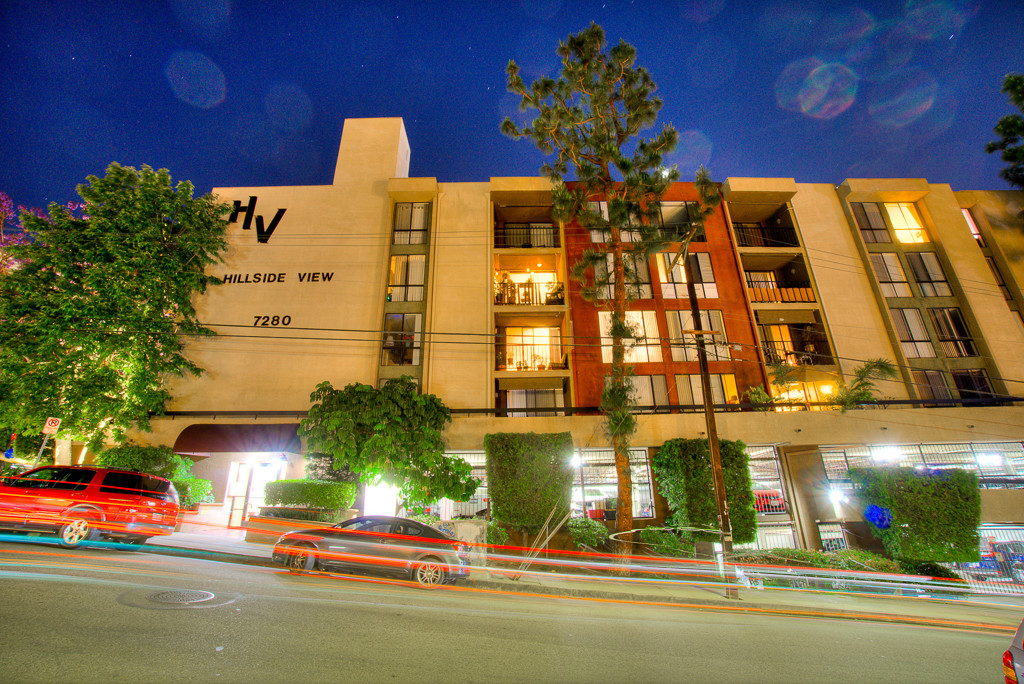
[[1013, 658], [1002, 560], [393, 545], [768, 499], [85, 503]]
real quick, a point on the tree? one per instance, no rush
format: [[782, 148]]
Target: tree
[[9, 236], [162, 461], [392, 434], [93, 322], [1010, 130], [590, 119]]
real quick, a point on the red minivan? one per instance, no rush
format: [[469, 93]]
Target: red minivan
[[85, 503]]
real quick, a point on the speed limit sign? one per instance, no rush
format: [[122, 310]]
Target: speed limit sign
[[51, 426]]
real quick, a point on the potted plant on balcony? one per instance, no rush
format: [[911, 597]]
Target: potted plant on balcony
[[538, 362], [556, 294]]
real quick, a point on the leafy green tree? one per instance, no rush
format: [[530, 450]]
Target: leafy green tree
[[862, 387], [94, 320], [590, 119], [393, 434], [321, 467], [1010, 130]]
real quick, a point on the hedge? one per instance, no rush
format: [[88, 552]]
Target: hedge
[[528, 475], [846, 559], [162, 461], [934, 514], [310, 494], [682, 468]]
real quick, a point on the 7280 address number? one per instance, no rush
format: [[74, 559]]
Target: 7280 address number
[[271, 321]]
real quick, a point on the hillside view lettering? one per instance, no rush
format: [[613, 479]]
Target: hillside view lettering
[[260, 278]]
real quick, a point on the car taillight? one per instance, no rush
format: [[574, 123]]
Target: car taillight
[[1009, 674]]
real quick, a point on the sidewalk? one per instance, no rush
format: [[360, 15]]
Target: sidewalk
[[994, 614]]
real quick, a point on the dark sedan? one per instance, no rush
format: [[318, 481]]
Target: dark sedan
[[394, 545]]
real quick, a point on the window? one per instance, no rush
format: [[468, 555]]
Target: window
[[677, 219], [597, 480], [762, 279], [638, 276], [402, 340], [905, 222], [973, 384], [412, 221], [57, 478], [928, 274], [531, 399], [691, 389], [405, 282], [684, 346], [605, 235], [913, 335], [529, 235], [765, 479], [530, 348], [973, 226], [646, 343], [870, 222], [890, 274], [999, 278], [673, 283], [954, 338], [649, 391], [930, 384]]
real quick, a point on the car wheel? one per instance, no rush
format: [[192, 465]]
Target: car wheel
[[429, 573], [300, 558], [1018, 573], [75, 530]]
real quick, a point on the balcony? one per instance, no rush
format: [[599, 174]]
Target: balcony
[[509, 293], [529, 357], [748, 235], [525, 236], [792, 292]]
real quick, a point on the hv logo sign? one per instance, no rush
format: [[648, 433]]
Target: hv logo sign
[[263, 232]]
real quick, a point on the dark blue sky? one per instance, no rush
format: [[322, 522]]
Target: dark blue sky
[[254, 93]]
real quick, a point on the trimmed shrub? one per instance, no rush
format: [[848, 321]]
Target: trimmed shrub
[[666, 542], [928, 569], [308, 514], [310, 494], [584, 531], [496, 534], [934, 514], [845, 559], [528, 475], [683, 471]]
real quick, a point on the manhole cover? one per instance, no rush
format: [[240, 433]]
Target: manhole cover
[[181, 597]]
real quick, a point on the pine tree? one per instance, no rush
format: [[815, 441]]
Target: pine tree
[[590, 119], [1010, 129]]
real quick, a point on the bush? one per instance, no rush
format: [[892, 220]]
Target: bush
[[496, 534], [310, 494], [161, 461], [928, 569], [683, 471], [844, 559], [858, 559], [528, 475], [309, 514], [584, 531], [934, 514], [666, 542]]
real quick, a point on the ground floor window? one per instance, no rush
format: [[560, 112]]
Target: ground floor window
[[772, 536], [833, 538], [998, 464], [765, 479]]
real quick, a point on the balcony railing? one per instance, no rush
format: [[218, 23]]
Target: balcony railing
[[525, 236], [796, 357], [789, 292], [529, 294], [753, 236], [530, 357]]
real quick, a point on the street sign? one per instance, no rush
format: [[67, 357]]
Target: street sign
[[51, 426]]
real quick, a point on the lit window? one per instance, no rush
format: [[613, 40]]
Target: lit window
[[405, 280], [402, 339], [973, 226], [684, 346], [673, 282], [691, 389], [645, 346], [905, 222]]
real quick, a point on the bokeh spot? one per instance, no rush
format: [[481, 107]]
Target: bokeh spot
[[195, 79]]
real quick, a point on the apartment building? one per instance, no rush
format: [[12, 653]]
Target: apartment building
[[466, 287]]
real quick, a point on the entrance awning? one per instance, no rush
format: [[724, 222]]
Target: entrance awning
[[223, 438]]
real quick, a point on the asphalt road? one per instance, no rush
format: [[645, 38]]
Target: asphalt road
[[102, 616]]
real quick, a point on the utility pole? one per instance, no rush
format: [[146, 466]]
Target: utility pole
[[709, 417]]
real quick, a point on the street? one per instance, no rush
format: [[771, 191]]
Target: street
[[99, 615]]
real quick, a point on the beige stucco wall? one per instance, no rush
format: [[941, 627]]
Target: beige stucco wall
[[844, 283], [1002, 338], [460, 350]]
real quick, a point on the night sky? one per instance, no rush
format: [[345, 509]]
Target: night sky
[[254, 93]]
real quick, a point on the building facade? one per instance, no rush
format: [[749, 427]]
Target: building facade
[[465, 287]]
